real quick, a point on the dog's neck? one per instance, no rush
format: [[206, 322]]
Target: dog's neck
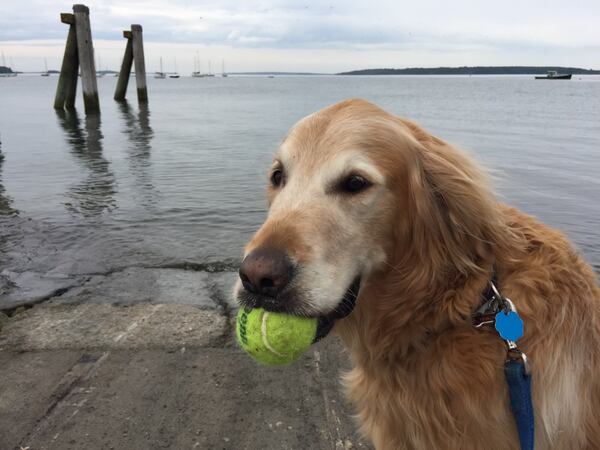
[[427, 290], [398, 316]]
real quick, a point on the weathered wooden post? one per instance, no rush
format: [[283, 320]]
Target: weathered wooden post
[[140, 65], [123, 80], [67, 82], [134, 53], [79, 53], [85, 49]]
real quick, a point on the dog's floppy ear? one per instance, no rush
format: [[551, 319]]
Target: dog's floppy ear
[[455, 217]]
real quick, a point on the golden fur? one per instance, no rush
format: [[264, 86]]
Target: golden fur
[[423, 377]]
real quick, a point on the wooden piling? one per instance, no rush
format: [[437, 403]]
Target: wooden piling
[[140, 66], [67, 82], [85, 49], [123, 80], [134, 53]]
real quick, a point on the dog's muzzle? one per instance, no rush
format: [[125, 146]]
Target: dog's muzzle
[[267, 273]]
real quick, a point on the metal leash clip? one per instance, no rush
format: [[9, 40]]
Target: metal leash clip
[[486, 313], [500, 312]]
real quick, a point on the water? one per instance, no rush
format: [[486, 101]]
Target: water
[[183, 181]]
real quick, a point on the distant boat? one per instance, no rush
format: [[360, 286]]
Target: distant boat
[[554, 75], [209, 74], [46, 73], [197, 73], [161, 75], [175, 74], [223, 73]]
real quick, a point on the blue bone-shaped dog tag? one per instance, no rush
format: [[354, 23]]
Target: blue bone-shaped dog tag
[[509, 325]]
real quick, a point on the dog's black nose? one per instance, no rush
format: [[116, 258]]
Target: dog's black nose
[[266, 271]]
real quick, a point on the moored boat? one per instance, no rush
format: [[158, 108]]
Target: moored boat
[[160, 75], [174, 74], [554, 75], [45, 73], [223, 73]]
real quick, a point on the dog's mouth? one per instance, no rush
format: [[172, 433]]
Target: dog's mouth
[[348, 302], [343, 309], [292, 306]]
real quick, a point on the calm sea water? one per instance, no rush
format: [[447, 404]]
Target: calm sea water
[[183, 180]]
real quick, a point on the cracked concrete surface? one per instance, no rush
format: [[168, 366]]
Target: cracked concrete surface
[[125, 286], [109, 365], [201, 398]]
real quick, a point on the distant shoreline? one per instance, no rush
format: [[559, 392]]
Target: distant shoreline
[[474, 70], [460, 71]]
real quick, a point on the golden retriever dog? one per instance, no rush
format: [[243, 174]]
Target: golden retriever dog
[[362, 200]]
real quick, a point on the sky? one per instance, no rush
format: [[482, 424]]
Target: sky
[[309, 36]]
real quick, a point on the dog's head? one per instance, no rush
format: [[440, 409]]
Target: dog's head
[[353, 191]]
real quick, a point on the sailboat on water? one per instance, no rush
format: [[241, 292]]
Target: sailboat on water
[[197, 73], [175, 74], [209, 74], [223, 73], [160, 74], [46, 73]]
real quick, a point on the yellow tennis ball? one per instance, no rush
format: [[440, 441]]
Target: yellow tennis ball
[[274, 338]]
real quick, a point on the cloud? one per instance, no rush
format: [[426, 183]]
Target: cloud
[[288, 24], [462, 27]]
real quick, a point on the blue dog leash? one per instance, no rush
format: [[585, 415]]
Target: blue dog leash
[[519, 389], [501, 312]]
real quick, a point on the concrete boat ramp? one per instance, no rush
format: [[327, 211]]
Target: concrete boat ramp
[[145, 359]]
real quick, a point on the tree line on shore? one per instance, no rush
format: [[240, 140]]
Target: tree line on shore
[[474, 70]]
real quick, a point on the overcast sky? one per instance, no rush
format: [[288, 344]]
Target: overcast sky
[[327, 36]]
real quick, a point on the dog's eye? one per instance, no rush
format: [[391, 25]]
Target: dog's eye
[[354, 184], [277, 178]]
